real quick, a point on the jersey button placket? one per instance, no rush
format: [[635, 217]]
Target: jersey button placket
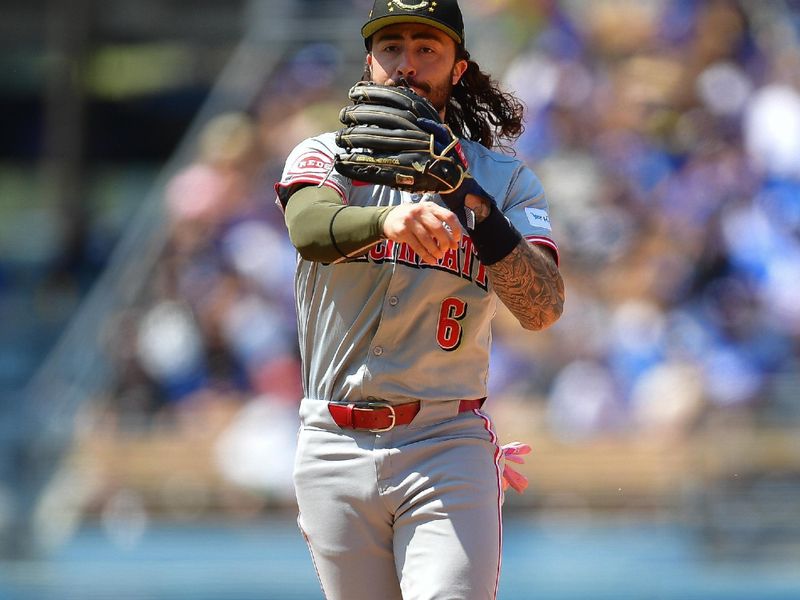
[[387, 324]]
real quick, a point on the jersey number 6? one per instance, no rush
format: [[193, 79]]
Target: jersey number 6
[[448, 333]]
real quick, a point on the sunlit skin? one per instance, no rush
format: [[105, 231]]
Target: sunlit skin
[[422, 55]]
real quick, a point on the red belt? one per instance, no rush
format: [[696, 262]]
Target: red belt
[[377, 416]]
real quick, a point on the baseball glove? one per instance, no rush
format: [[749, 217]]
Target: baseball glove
[[394, 137]]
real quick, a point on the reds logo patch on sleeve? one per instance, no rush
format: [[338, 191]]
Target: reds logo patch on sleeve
[[311, 163]]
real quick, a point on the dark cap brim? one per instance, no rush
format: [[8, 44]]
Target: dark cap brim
[[372, 26]]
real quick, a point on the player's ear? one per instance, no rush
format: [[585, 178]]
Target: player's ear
[[458, 70], [367, 74]]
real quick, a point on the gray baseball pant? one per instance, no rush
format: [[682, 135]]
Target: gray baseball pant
[[410, 514]]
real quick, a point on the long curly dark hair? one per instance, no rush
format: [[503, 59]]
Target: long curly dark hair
[[478, 109]]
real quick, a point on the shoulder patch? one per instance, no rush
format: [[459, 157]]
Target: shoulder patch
[[538, 218], [311, 162]]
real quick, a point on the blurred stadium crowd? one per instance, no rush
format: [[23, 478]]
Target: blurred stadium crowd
[[669, 144], [667, 136]]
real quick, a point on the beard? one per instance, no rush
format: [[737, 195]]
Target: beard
[[437, 94]]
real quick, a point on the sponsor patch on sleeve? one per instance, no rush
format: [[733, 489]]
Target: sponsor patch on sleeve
[[311, 163], [538, 218]]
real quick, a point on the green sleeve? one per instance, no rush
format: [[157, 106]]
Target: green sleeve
[[324, 229]]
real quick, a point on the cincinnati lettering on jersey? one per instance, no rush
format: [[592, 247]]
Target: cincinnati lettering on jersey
[[461, 262]]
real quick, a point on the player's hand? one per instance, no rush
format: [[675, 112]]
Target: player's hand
[[431, 230], [468, 190], [513, 452]]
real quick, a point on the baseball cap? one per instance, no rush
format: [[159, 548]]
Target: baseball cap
[[442, 14]]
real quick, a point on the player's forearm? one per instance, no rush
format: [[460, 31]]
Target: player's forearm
[[527, 281], [325, 230]]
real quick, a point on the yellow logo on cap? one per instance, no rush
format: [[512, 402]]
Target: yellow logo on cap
[[431, 6]]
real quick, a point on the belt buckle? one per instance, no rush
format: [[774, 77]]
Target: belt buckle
[[373, 404]]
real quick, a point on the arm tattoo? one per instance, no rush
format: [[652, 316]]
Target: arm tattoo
[[527, 281]]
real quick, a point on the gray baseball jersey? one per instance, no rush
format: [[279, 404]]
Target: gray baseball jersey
[[386, 325], [412, 513]]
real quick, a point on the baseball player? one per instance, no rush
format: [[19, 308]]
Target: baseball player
[[399, 474]]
